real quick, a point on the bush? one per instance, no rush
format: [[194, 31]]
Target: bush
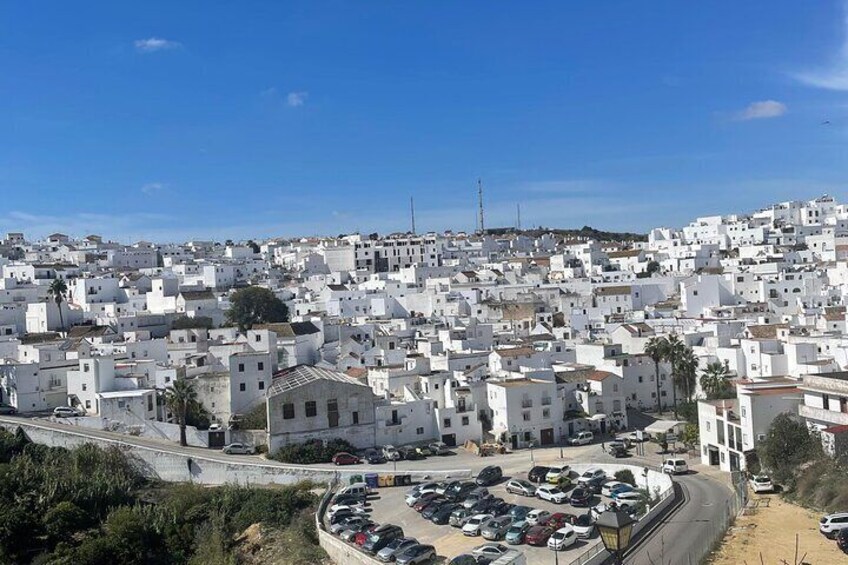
[[625, 476], [789, 444], [312, 451], [256, 419]]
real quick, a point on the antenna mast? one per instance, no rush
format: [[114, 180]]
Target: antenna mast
[[412, 212], [480, 200]]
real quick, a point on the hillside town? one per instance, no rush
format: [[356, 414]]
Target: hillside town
[[516, 338]]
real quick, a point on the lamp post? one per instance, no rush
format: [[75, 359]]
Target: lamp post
[[615, 528], [532, 460]]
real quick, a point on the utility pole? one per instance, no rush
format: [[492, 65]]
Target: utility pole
[[412, 212], [480, 201], [518, 208]]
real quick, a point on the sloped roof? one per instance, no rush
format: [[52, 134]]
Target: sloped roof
[[766, 331], [612, 290], [300, 375], [197, 295], [290, 329], [88, 331]]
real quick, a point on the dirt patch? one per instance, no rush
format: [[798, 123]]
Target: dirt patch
[[770, 531]]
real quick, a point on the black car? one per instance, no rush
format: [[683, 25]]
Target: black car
[[6, 410], [442, 514], [580, 497], [464, 559], [489, 475], [380, 538], [618, 451], [537, 474], [594, 486], [485, 505], [842, 540], [433, 507], [410, 454], [373, 457], [460, 491], [501, 509]]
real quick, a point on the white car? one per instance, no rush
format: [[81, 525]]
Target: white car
[[562, 538], [239, 449], [390, 453], [551, 494], [355, 507], [490, 550], [675, 466], [584, 526], [582, 438], [761, 483], [607, 489], [556, 473], [629, 496], [831, 524], [592, 474], [536, 516], [67, 412], [473, 525]]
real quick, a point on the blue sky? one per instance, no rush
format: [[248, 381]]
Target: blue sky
[[175, 120]]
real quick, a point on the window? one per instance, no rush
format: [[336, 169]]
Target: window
[[526, 416], [419, 431], [447, 422], [288, 411], [355, 417], [258, 337], [150, 403], [85, 367], [241, 368], [311, 408], [260, 366], [261, 385], [546, 413], [84, 386], [465, 420], [88, 404], [333, 413]]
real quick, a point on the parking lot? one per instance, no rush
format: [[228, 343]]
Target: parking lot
[[388, 506]]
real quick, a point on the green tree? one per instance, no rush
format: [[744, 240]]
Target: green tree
[[714, 381], [58, 290], [625, 476], [789, 444], [656, 350], [691, 435], [180, 399], [675, 349], [686, 372], [65, 518], [255, 305]]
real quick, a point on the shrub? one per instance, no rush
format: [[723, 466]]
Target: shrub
[[625, 476], [312, 451]]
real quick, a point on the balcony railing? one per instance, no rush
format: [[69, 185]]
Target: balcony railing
[[830, 416]]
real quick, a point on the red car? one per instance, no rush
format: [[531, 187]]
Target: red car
[[538, 535], [427, 499], [361, 537], [558, 520], [345, 459]]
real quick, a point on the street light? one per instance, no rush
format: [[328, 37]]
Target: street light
[[615, 528], [532, 461]]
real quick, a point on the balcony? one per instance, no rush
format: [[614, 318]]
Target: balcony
[[822, 415]]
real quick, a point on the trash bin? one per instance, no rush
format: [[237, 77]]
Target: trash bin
[[356, 479], [387, 480], [407, 480], [372, 480]]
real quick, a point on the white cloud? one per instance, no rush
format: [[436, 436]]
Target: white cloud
[[152, 188], [763, 109], [295, 99], [152, 44], [835, 75]]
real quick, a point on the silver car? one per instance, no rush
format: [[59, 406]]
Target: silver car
[[239, 449], [520, 486], [495, 529], [395, 547]]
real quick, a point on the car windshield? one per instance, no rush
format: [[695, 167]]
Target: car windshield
[[583, 520], [558, 535], [554, 490]]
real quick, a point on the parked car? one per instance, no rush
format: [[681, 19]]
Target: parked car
[[350, 533], [627, 497], [515, 533], [520, 486], [618, 451], [610, 486], [443, 513], [391, 453], [464, 559], [622, 488], [6, 410], [537, 516], [489, 475], [495, 529], [424, 497], [487, 505], [537, 474], [373, 457], [459, 491], [638, 436], [348, 499], [489, 550], [556, 473], [582, 438], [831, 524], [357, 506], [558, 520], [518, 513], [380, 538], [761, 483], [439, 448], [416, 555], [67, 412], [474, 497], [538, 534], [580, 497], [447, 485], [459, 516], [345, 458], [433, 507], [411, 453], [595, 485], [675, 466], [427, 500], [394, 547], [562, 538], [500, 508], [592, 474], [842, 540], [473, 526], [239, 449], [348, 522], [584, 526], [341, 516], [551, 494]]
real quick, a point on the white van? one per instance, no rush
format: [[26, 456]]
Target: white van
[[356, 489], [675, 466], [582, 438]]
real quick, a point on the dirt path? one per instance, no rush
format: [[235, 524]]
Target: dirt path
[[770, 532]]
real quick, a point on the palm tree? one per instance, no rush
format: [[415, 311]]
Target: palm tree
[[655, 349], [674, 350], [687, 372], [714, 380], [58, 290], [180, 398]]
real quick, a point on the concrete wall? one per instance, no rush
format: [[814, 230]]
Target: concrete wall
[[170, 463]]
